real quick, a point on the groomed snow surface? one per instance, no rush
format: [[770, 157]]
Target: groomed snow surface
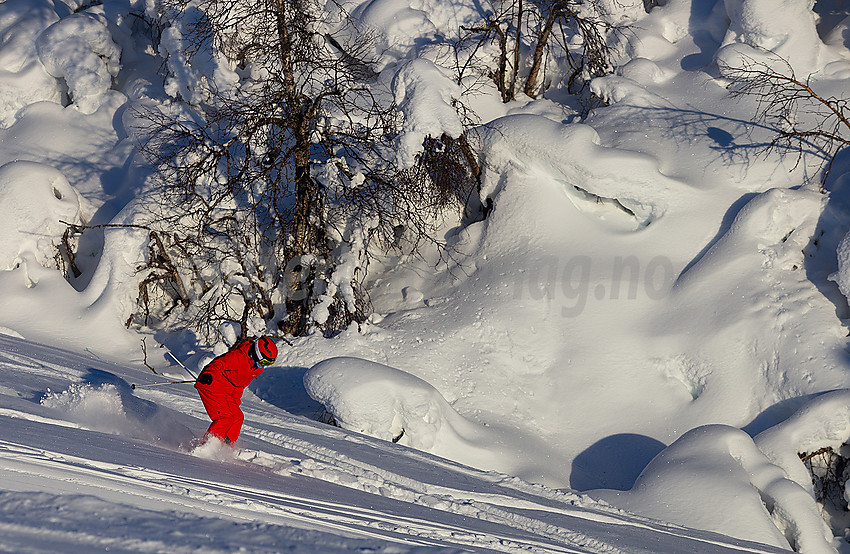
[[629, 354]]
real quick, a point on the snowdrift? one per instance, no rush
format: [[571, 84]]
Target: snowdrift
[[390, 404], [23, 78], [739, 490], [35, 198]]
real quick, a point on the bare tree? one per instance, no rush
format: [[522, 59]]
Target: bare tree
[[803, 120], [266, 182], [529, 33]]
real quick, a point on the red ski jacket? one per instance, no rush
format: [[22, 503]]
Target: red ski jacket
[[235, 367]]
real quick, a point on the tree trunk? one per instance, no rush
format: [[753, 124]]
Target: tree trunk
[[307, 238], [517, 44], [285, 45], [537, 61], [501, 73]]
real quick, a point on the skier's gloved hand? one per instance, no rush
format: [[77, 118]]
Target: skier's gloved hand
[[205, 378]]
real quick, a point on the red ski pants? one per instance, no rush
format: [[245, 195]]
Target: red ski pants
[[222, 405]]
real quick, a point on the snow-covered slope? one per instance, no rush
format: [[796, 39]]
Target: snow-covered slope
[[650, 319], [90, 465]]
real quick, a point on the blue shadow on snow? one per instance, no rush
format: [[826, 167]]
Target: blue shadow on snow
[[613, 462], [283, 387]]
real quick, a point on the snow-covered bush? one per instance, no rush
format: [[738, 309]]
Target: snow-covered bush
[[777, 57], [386, 403], [425, 95], [759, 31], [79, 49], [23, 79], [277, 164], [34, 198], [820, 426], [738, 490], [527, 48]]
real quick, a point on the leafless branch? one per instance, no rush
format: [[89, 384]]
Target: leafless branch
[[804, 121]]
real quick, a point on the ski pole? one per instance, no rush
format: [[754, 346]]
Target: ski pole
[[179, 362], [134, 387]]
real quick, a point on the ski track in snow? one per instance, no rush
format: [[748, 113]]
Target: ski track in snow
[[246, 503], [240, 502]]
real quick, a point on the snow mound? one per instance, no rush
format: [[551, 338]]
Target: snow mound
[[738, 490], [822, 422], [842, 276], [385, 403], [33, 199], [758, 32], [114, 286], [774, 226], [572, 155], [390, 404], [424, 94], [23, 79], [80, 50], [399, 25], [112, 409]]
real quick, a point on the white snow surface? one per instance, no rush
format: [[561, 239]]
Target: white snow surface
[[629, 354]]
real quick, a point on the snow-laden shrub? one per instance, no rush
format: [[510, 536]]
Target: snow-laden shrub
[[739, 491], [760, 31], [842, 276], [33, 199], [822, 425], [23, 79], [272, 188], [425, 96], [387, 403], [80, 50]]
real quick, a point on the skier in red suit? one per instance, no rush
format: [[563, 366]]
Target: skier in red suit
[[223, 381]]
